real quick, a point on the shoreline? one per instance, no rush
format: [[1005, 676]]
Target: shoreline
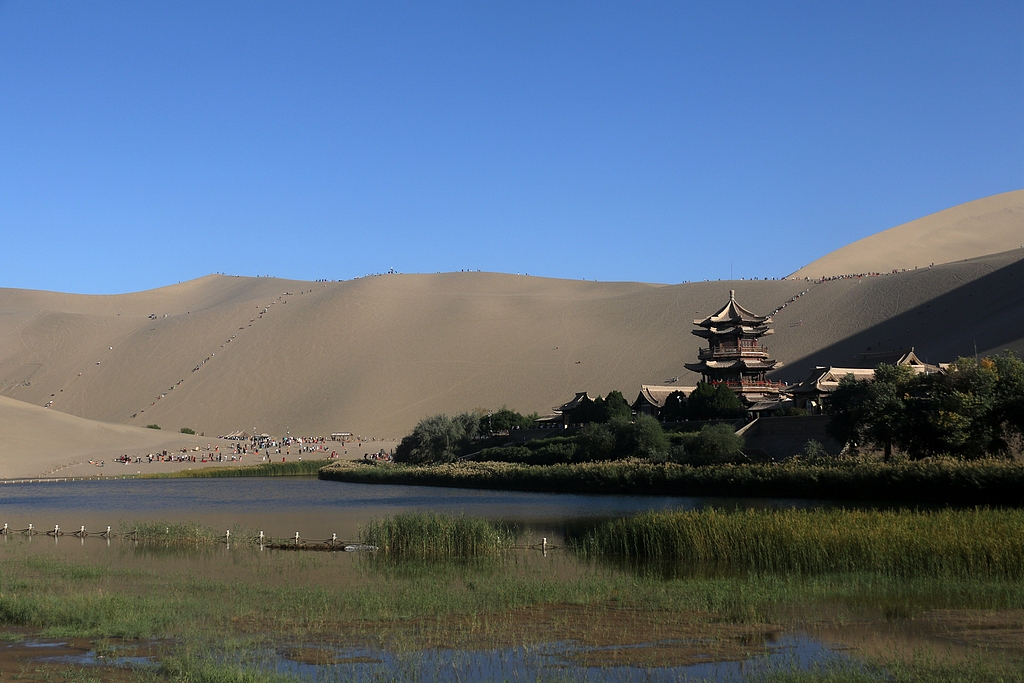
[[942, 482]]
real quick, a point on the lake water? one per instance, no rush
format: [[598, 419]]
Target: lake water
[[316, 509], [280, 506]]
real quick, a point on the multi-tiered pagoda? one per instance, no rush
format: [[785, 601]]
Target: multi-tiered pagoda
[[734, 355]]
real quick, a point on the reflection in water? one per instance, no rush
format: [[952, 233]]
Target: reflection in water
[[280, 506], [559, 661]]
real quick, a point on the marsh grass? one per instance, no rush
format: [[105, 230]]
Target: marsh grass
[[172, 535], [291, 468], [429, 536], [943, 480], [919, 669], [948, 543]]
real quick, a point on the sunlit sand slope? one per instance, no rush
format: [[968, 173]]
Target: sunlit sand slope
[[38, 442], [985, 226], [372, 356]]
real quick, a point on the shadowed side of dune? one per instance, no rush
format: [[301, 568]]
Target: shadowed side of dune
[[985, 316]]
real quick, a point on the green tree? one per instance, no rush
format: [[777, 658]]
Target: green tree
[[1009, 393], [601, 410], [674, 409], [847, 410], [885, 406], [438, 438], [616, 407], [504, 420], [596, 441], [714, 402], [643, 438]]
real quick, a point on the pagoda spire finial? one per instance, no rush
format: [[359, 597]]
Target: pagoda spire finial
[[732, 295]]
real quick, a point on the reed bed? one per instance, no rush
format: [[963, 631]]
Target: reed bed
[[980, 543], [177, 535], [983, 482], [428, 536], [266, 469]]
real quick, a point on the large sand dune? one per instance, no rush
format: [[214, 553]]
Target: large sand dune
[[985, 226], [374, 355]]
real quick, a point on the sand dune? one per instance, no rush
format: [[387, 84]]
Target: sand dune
[[374, 355], [985, 226], [37, 442]]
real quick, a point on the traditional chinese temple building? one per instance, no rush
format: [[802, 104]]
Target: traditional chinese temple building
[[735, 355]]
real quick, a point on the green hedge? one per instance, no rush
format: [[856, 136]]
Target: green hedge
[[981, 482]]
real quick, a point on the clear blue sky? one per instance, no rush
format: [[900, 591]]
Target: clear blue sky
[[146, 143]]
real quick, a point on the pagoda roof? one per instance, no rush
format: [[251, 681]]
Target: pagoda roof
[[738, 363], [733, 315], [737, 329]]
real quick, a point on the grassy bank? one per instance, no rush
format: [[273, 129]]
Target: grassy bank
[[983, 482], [948, 543], [296, 596], [800, 568], [266, 469]]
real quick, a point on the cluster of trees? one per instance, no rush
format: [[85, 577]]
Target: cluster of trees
[[707, 402], [440, 439], [601, 410], [505, 420], [974, 409]]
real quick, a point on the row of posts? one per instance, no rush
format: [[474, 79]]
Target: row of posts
[[82, 533]]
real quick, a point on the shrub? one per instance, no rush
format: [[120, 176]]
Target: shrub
[[154, 426], [713, 444], [642, 438], [596, 442], [712, 402], [187, 430]]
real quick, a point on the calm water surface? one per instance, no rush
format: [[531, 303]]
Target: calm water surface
[[280, 506]]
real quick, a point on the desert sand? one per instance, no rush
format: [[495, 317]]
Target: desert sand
[[985, 226], [373, 355]]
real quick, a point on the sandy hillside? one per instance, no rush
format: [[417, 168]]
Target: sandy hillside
[[985, 226], [374, 355], [37, 442]]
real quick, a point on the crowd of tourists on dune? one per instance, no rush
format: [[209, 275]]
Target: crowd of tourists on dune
[[262, 448]]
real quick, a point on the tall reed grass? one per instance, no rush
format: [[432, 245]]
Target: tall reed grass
[[172, 535], [984, 482], [978, 543], [429, 536]]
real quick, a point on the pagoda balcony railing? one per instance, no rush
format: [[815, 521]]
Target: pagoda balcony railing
[[732, 351], [734, 384]]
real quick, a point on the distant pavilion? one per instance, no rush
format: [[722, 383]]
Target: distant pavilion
[[734, 355]]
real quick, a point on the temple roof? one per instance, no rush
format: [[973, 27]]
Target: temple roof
[[732, 315], [579, 398], [738, 363], [737, 329], [655, 394]]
